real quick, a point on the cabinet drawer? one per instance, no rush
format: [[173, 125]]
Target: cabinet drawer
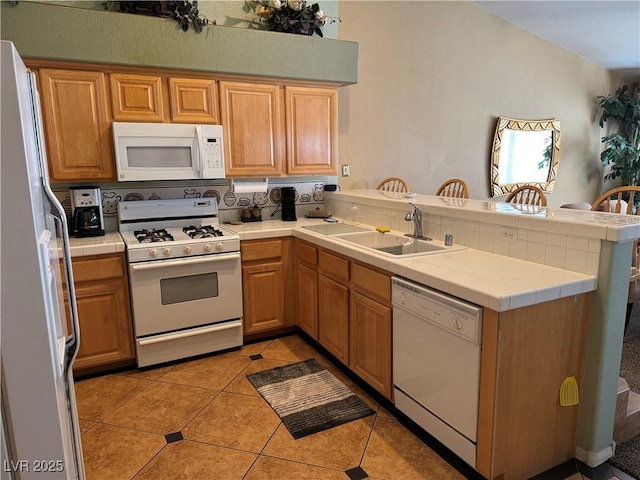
[[306, 253], [261, 250], [371, 281], [97, 268], [334, 266]]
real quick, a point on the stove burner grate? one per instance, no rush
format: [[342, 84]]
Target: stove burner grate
[[154, 235], [202, 231]]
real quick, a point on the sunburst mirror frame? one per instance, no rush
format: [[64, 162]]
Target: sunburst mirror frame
[[497, 187]]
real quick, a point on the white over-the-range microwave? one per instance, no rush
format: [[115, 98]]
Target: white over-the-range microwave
[[168, 151]]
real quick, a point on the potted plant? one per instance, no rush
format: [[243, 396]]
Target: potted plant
[[184, 12], [291, 16], [623, 147]]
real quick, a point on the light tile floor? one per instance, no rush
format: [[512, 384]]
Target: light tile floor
[[202, 419]]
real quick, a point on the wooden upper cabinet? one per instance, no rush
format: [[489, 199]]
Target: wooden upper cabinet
[[194, 100], [312, 130], [77, 125], [136, 98], [253, 121]]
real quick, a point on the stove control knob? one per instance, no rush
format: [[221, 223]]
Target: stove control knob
[[207, 247], [166, 251], [186, 249], [153, 252], [219, 246]]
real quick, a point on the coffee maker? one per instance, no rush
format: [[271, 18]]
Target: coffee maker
[[86, 212], [288, 199]]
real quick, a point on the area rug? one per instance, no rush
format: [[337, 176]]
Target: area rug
[[308, 398], [627, 456]]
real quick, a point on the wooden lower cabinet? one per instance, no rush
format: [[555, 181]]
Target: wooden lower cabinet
[[106, 329], [370, 342], [306, 270], [333, 317], [346, 306], [526, 354], [307, 292], [267, 285]]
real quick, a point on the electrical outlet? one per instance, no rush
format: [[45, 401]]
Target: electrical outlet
[[509, 234], [345, 170]]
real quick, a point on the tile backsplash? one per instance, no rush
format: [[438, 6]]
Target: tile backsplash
[[566, 251], [309, 196]]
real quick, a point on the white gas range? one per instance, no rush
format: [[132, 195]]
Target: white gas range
[[185, 278]]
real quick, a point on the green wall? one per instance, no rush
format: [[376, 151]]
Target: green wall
[[49, 31]]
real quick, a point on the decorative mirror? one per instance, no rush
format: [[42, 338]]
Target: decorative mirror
[[525, 152]]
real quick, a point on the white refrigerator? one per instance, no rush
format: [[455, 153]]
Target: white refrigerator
[[39, 336]]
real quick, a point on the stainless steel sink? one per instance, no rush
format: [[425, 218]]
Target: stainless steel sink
[[396, 245], [336, 228]]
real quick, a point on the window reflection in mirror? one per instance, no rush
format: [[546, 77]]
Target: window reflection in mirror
[[524, 152]]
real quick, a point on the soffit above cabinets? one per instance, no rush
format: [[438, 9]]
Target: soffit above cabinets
[[54, 32]]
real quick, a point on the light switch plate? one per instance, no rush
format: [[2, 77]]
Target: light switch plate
[[345, 170]]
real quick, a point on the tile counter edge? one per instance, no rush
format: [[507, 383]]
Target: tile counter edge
[[546, 283], [111, 242]]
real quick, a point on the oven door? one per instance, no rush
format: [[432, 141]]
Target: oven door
[[171, 295]]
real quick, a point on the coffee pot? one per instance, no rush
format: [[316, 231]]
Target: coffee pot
[[288, 200], [86, 217]]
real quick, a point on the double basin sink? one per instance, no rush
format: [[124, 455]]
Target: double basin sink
[[388, 243]]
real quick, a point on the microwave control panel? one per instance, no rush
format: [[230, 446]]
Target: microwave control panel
[[212, 151]]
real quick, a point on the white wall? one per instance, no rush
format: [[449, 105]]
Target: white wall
[[434, 77]]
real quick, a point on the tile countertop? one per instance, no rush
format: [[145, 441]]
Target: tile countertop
[[597, 225], [111, 242], [493, 281]]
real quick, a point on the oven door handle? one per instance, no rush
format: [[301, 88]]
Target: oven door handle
[[188, 333], [219, 257]]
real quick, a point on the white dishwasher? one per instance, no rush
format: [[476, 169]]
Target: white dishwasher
[[436, 364]]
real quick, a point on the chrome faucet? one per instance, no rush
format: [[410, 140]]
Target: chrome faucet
[[416, 216]]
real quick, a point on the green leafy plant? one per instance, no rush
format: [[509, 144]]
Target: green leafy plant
[[623, 147], [291, 16], [184, 12]]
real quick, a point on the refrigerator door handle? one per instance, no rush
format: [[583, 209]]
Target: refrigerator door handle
[[60, 218]]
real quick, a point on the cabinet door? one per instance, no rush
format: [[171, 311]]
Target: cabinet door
[[263, 297], [75, 110], [312, 130], [194, 100], [370, 342], [105, 324], [136, 98], [253, 120], [307, 299], [333, 317]]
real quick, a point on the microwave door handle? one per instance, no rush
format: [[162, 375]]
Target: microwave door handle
[[201, 163]]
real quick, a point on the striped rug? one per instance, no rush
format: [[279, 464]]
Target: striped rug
[[308, 398]]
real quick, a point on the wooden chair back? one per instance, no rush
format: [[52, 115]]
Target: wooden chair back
[[393, 184], [455, 188], [618, 200], [527, 195]]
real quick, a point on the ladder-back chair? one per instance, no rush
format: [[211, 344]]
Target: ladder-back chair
[[455, 188], [393, 184], [527, 195]]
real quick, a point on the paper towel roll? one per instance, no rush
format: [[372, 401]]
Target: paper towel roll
[[249, 186]]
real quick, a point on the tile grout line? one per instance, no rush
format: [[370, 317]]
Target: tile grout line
[[366, 445]]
